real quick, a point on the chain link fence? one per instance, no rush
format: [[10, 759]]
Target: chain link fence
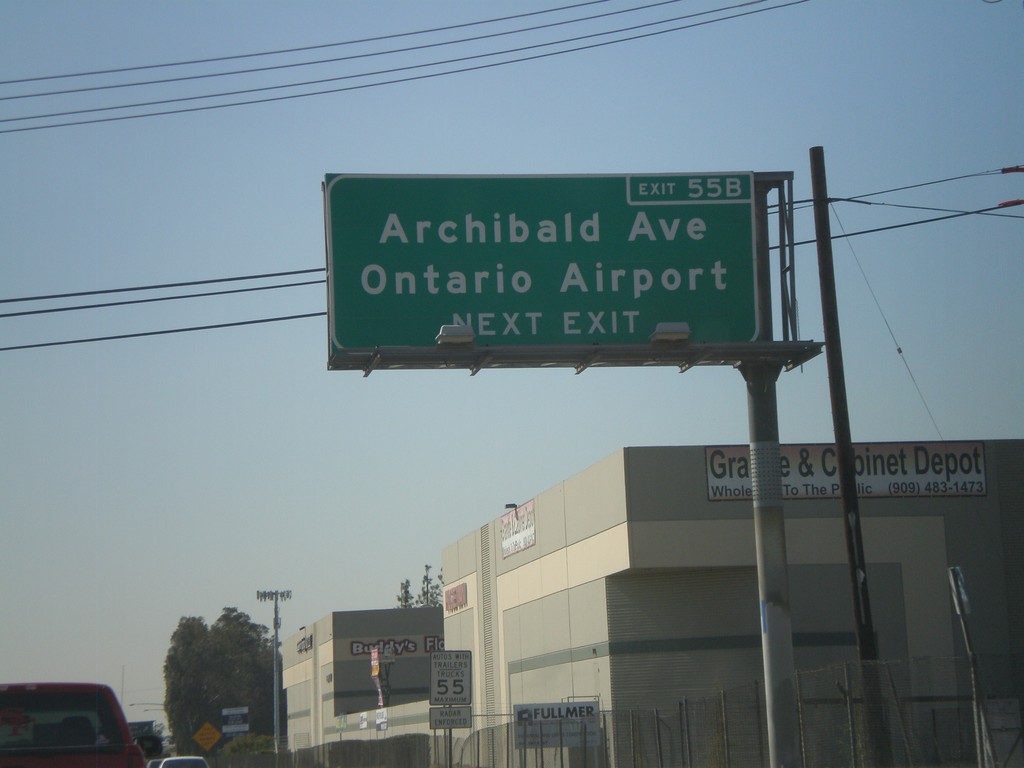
[[853, 715]]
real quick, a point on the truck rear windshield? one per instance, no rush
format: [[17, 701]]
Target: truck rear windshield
[[60, 721]]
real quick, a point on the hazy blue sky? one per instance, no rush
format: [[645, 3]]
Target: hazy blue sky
[[146, 479]]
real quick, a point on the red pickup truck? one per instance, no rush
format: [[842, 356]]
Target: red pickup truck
[[67, 725]]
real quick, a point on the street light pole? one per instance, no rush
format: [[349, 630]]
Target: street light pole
[[275, 595]]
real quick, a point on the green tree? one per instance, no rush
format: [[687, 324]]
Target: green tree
[[404, 596], [228, 664], [431, 592]]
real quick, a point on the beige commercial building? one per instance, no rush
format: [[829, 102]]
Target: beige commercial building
[[331, 684], [634, 582], [632, 586]]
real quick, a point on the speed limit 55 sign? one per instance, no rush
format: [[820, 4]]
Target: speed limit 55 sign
[[451, 678]]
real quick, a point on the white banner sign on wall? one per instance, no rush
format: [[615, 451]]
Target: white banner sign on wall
[[518, 529], [882, 469]]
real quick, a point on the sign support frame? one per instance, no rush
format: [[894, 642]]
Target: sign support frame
[[760, 362], [769, 518]]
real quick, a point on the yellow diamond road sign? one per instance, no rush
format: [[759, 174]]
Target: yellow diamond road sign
[[206, 736]]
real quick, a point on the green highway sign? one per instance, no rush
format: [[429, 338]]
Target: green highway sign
[[538, 261]]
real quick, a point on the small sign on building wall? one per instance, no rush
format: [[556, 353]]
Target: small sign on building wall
[[557, 724]]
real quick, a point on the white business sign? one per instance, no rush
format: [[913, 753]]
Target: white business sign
[[451, 678], [558, 724], [518, 529], [926, 469]]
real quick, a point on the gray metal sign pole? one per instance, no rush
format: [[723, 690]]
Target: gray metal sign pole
[[769, 522]]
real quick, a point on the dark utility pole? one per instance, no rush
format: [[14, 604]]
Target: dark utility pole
[[864, 627]]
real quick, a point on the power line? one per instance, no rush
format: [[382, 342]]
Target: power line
[[395, 81], [892, 335], [383, 71], [108, 304], [1001, 207], [161, 286], [371, 54], [957, 215], [930, 183], [121, 336], [375, 73], [301, 49], [859, 198]]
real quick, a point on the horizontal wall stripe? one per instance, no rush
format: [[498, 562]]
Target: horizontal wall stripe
[[686, 644], [821, 639], [595, 651], [675, 645], [556, 658], [422, 691]]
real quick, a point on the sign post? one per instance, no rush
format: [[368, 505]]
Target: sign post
[[451, 685]]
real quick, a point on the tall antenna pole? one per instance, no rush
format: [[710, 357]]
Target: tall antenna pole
[[275, 595]]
